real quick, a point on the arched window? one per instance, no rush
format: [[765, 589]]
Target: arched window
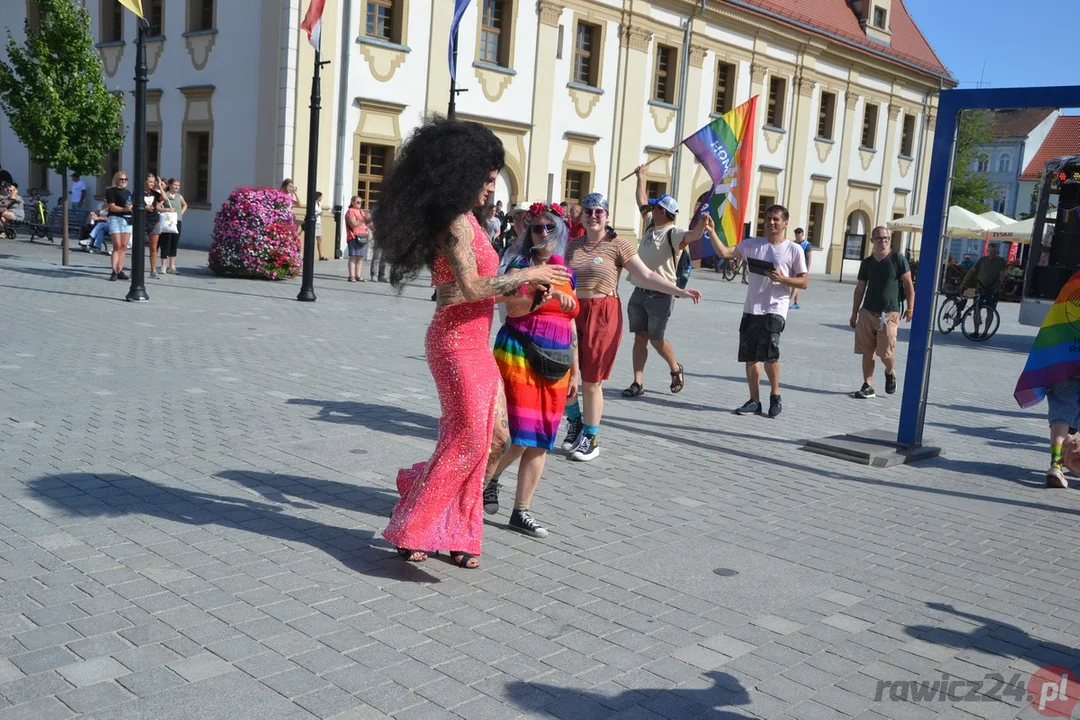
[[1005, 163], [984, 163], [858, 229]]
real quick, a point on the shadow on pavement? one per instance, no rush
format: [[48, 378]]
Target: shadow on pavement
[[109, 298], [712, 702], [386, 418], [765, 383], [1010, 473], [996, 435], [59, 272], [1006, 342], [310, 494], [996, 638], [114, 495], [996, 412]]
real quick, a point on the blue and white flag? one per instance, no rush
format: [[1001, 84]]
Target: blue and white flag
[[459, 10]]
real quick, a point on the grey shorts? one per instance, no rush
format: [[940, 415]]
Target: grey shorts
[[648, 312]]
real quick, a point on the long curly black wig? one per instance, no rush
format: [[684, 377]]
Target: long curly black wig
[[437, 175]]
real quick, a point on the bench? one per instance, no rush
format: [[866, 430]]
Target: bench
[[54, 225]]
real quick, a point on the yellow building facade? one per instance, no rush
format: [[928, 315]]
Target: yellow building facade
[[581, 92]]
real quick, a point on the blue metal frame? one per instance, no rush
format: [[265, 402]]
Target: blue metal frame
[[920, 348]]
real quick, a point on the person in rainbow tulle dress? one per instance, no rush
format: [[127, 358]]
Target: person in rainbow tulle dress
[[444, 170]]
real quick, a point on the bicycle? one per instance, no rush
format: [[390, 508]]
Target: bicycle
[[37, 210], [951, 312], [970, 323], [728, 269]]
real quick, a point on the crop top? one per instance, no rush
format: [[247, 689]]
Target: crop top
[[598, 265]]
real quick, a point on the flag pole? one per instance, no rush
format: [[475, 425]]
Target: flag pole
[[451, 110], [137, 291], [664, 154], [307, 284]]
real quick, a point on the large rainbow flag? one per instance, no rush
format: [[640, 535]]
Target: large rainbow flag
[[1055, 355], [725, 147]]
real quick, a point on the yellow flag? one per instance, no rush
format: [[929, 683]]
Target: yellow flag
[[134, 6]]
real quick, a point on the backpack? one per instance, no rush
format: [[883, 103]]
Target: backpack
[[901, 291], [683, 265]]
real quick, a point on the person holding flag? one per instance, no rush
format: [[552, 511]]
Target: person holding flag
[[1052, 371], [648, 310]]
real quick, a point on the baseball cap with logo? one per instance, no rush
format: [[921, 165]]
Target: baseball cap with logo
[[667, 202]]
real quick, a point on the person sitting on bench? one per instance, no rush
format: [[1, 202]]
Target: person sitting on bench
[[12, 210], [98, 223]]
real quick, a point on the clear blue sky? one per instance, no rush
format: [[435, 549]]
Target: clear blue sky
[[1022, 42]]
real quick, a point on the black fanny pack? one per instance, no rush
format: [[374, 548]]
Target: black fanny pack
[[548, 363]]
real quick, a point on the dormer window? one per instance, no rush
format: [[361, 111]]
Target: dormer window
[[880, 18]]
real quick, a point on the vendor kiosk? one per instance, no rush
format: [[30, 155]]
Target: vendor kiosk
[[1055, 241]]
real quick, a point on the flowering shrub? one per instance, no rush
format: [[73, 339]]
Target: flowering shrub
[[255, 235]]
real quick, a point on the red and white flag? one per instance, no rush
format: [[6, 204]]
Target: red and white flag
[[312, 24]]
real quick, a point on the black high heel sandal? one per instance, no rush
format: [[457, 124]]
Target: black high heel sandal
[[412, 555], [462, 560]]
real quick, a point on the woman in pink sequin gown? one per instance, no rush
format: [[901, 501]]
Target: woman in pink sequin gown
[[443, 171]]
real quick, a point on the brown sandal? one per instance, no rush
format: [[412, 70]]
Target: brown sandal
[[677, 380]]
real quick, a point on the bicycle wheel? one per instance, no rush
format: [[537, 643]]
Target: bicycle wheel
[[729, 270], [948, 316], [989, 320]]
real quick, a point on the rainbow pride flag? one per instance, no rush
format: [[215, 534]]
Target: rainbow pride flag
[[725, 147], [1055, 355]]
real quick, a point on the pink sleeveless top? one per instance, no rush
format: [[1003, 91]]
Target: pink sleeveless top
[[487, 260]]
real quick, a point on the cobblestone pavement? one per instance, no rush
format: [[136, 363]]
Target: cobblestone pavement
[[192, 492]]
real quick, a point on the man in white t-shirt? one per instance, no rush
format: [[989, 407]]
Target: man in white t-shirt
[[767, 301], [77, 192]]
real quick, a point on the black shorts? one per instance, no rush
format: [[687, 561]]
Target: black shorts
[[759, 337]]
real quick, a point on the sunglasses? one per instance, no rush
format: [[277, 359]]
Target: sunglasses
[[594, 212], [543, 228], [121, 179]]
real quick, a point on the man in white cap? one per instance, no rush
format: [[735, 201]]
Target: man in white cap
[[648, 310]]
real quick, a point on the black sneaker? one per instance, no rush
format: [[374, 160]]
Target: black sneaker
[[112, 278], [524, 522], [750, 407], [121, 276], [890, 383], [586, 449], [865, 392], [775, 406], [491, 497], [573, 434]]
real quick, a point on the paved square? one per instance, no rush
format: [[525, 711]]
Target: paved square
[[192, 494]]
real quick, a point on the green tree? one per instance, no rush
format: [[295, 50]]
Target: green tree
[[971, 189], [56, 102]]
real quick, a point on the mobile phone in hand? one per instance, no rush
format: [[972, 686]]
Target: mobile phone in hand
[[538, 296]]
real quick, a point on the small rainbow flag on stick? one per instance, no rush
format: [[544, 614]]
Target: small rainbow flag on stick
[[725, 147], [1055, 355]]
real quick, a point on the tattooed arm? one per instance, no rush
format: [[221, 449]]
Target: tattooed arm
[[469, 285]]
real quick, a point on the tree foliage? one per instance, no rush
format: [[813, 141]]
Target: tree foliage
[[971, 189], [53, 94]]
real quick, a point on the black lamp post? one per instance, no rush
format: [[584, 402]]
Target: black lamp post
[[137, 292], [307, 285]]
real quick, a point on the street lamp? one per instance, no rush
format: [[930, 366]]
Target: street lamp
[[137, 292]]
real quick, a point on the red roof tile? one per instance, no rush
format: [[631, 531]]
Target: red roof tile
[[1064, 139], [838, 19]]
